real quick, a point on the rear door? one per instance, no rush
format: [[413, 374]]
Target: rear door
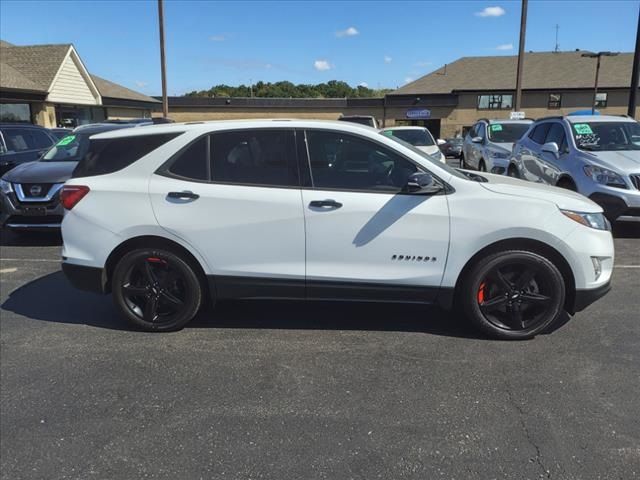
[[235, 197], [365, 238]]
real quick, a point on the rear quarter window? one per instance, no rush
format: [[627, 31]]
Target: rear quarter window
[[109, 155]]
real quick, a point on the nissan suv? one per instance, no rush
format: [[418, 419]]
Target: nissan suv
[[169, 217], [487, 146], [595, 155]]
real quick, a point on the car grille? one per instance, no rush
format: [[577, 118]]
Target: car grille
[[36, 190], [635, 179]]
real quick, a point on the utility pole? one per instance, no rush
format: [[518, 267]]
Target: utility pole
[[163, 68], [633, 90], [597, 56], [557, 49], [523, 30]]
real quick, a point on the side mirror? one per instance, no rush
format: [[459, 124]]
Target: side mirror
[[423, 183], [551, 147], [440, 141], [476, 139]]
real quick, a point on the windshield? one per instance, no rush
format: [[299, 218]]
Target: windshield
[[416, 137], [430, 158], [602, 136], [69, 149], [507, 132]]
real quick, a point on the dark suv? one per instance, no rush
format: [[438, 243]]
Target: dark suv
[[29, 193], [22, 142]]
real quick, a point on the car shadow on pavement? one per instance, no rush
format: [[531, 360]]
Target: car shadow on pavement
[[51, 298], [29, 239]]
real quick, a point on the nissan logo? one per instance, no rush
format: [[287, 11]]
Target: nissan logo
[[35, 190]]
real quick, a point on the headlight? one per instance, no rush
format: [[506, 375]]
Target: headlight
[[593, 220], [494, 154], [604, 176], [5, 186]]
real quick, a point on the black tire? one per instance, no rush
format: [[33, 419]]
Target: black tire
[[463, 164], [513, 295], [513, 172], [156, 290], [481, 166], [567, 184]]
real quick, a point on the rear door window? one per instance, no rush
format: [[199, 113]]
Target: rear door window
[[112, 154]]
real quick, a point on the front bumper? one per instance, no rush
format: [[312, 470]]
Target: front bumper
[[22, 216], [617, 207], [585, 297]]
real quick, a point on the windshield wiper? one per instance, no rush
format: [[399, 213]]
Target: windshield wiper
[[591, 148]]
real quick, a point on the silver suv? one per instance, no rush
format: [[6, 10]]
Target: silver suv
[[487, 146], [595, 155]]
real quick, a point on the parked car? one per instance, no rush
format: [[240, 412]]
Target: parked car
[[59, 133], [29, 197], [172, 216], [488, 144], [452, 147], [127, 121], [597, 156], [367, 120], [22, 142], [419, 137]]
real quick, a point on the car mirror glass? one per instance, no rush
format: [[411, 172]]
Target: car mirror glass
[[421, 183]]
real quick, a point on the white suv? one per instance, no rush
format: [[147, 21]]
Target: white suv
[[169, 216]]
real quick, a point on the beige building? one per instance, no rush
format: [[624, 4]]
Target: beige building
[[451, 99], [49, 85]]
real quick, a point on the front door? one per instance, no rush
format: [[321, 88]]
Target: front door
[[235, 198], [365, 238]]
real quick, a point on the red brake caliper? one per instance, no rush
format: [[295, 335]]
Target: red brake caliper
[[481, 292]]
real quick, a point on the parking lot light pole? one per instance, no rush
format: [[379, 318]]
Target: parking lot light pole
[[523, 30], [165, 102], [597, 56], [633, 91]]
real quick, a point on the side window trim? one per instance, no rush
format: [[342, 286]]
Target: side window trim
[[447, 188]]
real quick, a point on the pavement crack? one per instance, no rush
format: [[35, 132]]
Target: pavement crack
[[522, 416]]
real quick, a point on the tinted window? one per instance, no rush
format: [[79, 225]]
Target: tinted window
[[112, 154], [347, 162], [192, 162], [556, 134], [255, 157], [23, 139], [539, 133]]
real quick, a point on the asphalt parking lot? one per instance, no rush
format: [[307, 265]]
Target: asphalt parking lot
[[292, 390]]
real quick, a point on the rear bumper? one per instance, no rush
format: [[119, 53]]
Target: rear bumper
[[584, 297], [86, 278]]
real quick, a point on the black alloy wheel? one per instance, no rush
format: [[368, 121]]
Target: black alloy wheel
[[514, 294], [156, 290]]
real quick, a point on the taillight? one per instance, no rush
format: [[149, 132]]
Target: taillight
[[70, 195]]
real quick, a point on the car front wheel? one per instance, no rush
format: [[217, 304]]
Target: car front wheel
[[156, 290], [513, 295]]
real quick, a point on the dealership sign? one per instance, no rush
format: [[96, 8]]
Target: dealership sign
[[418, 113]]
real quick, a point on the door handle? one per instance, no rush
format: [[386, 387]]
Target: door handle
[[325, 203], [183, 195]]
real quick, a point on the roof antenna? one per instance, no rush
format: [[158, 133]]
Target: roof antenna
[[557, 46]]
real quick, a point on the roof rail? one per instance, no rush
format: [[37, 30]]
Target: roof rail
[[553, 117], [484, 119]]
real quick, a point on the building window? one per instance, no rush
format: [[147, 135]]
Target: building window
[[15, 112], [601, 100], [495, 102], [555, 100]]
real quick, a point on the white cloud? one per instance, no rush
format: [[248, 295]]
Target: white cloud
[[363, 84], [422, 64], [408, 79], [491, 12], [322, 65], [387, 59], [218, 38], [505, 46], [349, 32], [141, 84]]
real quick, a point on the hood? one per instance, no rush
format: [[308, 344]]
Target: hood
[[627, 161], [41, 172], [431, 149], [563, 198]]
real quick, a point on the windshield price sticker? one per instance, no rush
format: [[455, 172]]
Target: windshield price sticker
[[583, 129], [389, 133], [66, 140], [496, 127]]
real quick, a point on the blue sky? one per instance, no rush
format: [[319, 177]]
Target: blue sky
[[382, 44]]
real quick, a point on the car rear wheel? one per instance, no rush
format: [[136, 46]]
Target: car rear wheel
[[513, 295], [482, 167], [156, 290], [513, 172], [568, 184]]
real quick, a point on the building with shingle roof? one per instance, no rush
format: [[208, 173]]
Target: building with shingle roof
[[50, 86]]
